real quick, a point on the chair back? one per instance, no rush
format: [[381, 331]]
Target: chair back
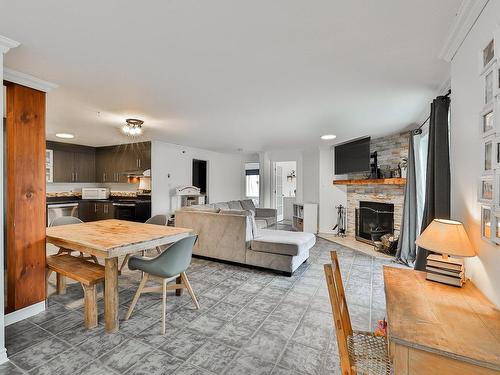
[[65, 220], [158, 220], [176, 258], [340, 311]]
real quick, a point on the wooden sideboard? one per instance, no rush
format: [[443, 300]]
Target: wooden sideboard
[[440, 329]]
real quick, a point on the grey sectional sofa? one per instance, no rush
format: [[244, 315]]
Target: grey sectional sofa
[[232, 235], [264, 217]]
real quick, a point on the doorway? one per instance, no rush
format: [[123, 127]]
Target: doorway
[[200, 176], [284, 189]]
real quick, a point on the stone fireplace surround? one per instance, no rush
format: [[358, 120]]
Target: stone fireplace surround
[[391, 150]]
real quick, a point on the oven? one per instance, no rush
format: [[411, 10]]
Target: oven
[[132, 210]]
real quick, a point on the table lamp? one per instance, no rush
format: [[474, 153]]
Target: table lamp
[[448, 238]]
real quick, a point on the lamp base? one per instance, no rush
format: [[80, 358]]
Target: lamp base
[[445, 270]]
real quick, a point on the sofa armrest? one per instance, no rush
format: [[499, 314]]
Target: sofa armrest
[[266, 212]]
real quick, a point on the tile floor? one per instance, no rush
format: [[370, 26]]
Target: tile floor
[[250, 322]]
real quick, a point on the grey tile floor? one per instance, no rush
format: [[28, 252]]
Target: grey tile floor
[[250, 322]]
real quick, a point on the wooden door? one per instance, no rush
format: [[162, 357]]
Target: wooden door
[[25, 196], [63, 166]]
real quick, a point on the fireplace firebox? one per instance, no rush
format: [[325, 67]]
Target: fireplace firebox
[[373, 220]]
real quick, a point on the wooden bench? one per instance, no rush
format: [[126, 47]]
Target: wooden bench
[[85, 272]]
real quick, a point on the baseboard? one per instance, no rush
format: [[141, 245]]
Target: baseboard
[[24, 313], [3, 356]]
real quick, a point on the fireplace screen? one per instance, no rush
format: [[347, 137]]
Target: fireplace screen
[[373, 220]]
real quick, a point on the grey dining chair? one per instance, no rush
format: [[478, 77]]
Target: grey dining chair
[[165, 267], [157, 220], [68, 220]]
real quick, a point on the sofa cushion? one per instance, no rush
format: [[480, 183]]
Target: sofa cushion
[[235, 205], [222, 205], [247, 204], [282, 242], [200, 208]]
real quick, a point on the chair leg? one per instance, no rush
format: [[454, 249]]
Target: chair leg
[[48, 272], [164, 306], [94, 258], [60, 284], [137, 295], [90, 299], [158, 249], [125, 260], [190, 290]]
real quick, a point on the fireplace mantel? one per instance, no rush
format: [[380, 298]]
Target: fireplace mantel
[[378, 181]]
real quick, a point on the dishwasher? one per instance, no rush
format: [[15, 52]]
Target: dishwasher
[[55, 210]]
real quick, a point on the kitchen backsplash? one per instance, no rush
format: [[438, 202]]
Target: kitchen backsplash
[[72, 189]]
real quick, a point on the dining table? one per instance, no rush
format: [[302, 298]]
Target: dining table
[[110, 239]]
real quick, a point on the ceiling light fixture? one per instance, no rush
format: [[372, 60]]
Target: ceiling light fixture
[[65, 135], [328, 137], [133, 127]]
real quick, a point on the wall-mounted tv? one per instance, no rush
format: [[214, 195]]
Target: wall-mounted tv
[[353, 156]]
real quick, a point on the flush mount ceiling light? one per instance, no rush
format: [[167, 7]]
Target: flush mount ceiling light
[[133, 127], [328, 137], [65, 135]]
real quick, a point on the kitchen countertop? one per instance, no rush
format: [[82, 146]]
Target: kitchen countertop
[[76, 199]]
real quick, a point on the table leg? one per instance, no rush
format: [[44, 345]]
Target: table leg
[[111, 295], [178, 292]]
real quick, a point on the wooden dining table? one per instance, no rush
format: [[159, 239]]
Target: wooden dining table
[[110, 239]]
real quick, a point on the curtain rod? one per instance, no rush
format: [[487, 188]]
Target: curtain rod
[[419, 129]]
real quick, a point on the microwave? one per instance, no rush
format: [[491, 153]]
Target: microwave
[[95, 193]]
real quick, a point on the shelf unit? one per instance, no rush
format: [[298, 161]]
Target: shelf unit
[[305, 217]]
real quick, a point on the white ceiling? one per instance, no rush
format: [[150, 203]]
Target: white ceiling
[[230, 74]]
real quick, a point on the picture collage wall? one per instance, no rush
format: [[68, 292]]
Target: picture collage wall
[[489, 122]]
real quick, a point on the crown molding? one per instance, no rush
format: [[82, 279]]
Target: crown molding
[[6, 44], [465, 19], [27, 80]]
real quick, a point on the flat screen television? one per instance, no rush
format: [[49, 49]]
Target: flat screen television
[[353, 156]]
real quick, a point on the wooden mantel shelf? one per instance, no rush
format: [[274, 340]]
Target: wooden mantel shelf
[[378, 181]]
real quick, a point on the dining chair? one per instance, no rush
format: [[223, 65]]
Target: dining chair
[[157, 220], [360, 352], [68, 220], [165, 267]]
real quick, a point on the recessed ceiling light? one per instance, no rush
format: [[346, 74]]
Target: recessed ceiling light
[[65, 135], [328, 137]]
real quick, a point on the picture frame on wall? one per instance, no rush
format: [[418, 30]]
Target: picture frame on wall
[[495, 235], [489, 87], [486, 190], [489, 53], [486, 229], [488, 161], [487, 121]]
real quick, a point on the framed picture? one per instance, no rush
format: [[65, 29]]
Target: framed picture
[[488, 87], [496, 228], [487, 121], [489, 52], [486, 190], [486, 217], [488, 160]]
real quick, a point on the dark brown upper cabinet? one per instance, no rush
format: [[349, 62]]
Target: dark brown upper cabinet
[[73, 163]]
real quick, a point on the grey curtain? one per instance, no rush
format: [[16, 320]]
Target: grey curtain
[[407, 251], [437, 188]]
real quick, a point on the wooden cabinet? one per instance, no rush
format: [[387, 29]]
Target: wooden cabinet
[[72, 163], [95, 210], [109, 164]]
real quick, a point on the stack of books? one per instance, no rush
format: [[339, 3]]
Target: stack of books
[[447, 271]]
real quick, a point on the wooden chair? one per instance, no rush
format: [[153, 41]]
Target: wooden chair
[[87, 273], [166, 267], [68, 220], [157, 220], [359, 351]]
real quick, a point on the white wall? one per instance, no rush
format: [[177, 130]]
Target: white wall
[[330, 195], [466, 143], [310, 173], [171, 166]]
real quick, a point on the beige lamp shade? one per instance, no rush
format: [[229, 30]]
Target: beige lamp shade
[[446, 237]]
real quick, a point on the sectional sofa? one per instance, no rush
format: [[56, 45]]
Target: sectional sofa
[[233, 235]]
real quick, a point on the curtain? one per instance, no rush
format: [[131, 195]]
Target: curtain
[[437, 186], [406, 251]]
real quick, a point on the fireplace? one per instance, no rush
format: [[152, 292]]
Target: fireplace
[[373, 220]]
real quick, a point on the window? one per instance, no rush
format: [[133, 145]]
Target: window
[[252, 180]]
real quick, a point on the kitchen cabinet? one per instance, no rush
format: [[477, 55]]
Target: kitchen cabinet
[[95, 210], [72, 163]]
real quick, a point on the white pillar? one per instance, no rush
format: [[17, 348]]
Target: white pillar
[[5, 45]]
